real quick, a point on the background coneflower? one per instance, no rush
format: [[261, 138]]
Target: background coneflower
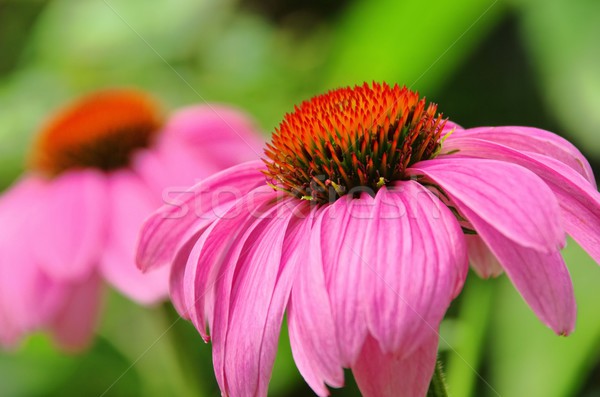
[[98, 169]]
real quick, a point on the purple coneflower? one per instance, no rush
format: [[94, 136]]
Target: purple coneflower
[[97, 170], [361, 231]]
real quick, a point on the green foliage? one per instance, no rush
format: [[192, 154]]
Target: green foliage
[[562, 38], [410, 42]]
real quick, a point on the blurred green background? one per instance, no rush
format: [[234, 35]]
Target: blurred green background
[[492, 62]]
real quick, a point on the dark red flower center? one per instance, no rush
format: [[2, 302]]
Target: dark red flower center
[[352, 139], [98, 131]]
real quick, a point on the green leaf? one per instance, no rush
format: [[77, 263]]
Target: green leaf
[[410, 42]]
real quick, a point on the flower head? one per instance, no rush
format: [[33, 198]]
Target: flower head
[[362, 232], [97, 169], [363, 137], [99, 131]]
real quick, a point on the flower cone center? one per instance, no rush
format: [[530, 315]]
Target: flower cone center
[[99, 131], [352, 139]]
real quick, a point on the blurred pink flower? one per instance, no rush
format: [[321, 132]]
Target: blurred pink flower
[[98, 169], [362, 231]]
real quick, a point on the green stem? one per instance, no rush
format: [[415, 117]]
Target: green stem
[[437, 387]]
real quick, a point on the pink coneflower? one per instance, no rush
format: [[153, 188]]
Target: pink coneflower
[[361, 231], [97, 170]]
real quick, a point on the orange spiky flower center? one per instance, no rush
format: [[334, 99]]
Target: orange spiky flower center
[[99, 131], [352, 140]]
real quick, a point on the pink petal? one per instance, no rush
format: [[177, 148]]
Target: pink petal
[[394, 375], [580, 205], [416, 250], [579, 201], [186, 214], [178, 276], [541, 277], [310, 319], [71, 224], [348, 276], [193, 287], [513, 199], [214, 249], [220, 135], [215, 288], [19, 290], [28, 298], [198, 262], [481, 258], [532, 140], [259, 293], [73, 326], [131, 202]]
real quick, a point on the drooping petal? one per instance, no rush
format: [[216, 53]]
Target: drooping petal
[[220, 135], [183, 216], [482, 260], [177, 277], [28, 297], [393, 375], [71, 223], [194, 275], [533, 140], [193, 286], [131, 202], [215, 249], [73, 325], [513, 199], [579, 200], [580, 205], [541, 277], [217, 290], [259, 294], [417, 253], [348, 272], [310, 320]]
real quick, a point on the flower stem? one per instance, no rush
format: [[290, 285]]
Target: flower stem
[[437, 387]]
